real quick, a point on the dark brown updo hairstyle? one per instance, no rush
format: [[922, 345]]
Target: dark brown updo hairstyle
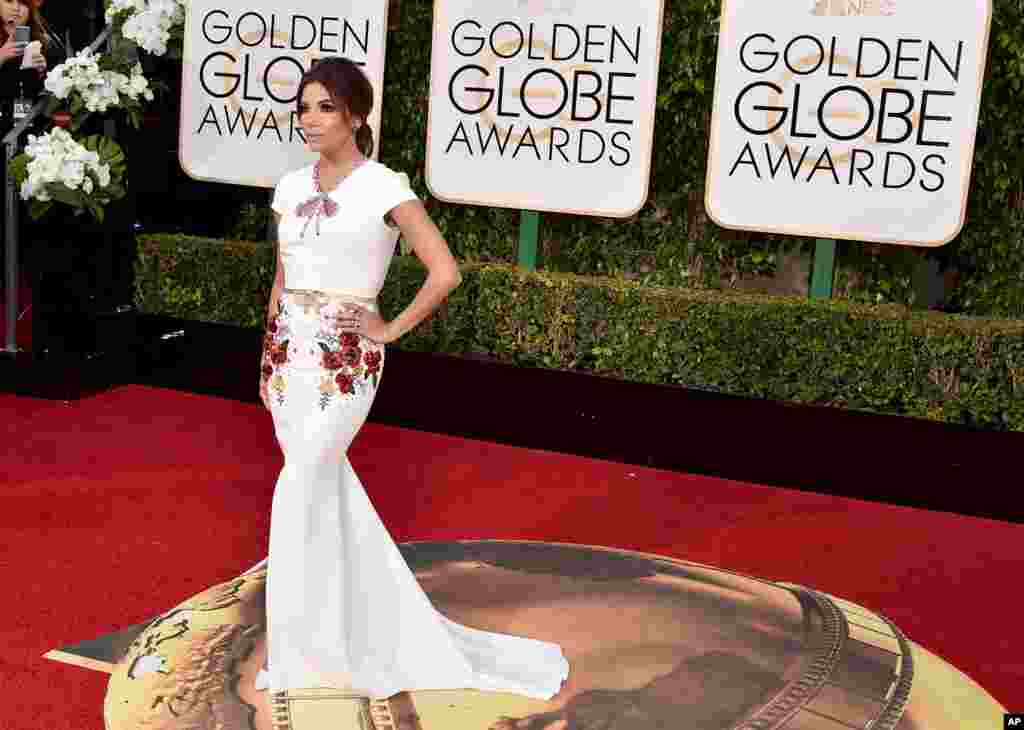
[[349, 88]]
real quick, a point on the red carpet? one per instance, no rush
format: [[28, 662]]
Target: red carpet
[[121, 505]]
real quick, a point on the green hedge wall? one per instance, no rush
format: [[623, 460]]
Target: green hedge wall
[[886, 359], [670, 242]]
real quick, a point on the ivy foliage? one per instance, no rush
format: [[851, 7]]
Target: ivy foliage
[[885, 359]]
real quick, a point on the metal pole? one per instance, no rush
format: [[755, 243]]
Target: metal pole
[[91, 15], [824, 269], [529, 222], [11, 243]]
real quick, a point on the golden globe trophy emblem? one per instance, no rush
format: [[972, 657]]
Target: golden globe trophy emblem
[[277, 80], [195, 667], [842, 62], [283, 82], [240, 75], [522, 79], [652, 642], [839, 117], [541, 95]]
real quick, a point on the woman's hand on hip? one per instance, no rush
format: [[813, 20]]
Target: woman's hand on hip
[[363, 321]]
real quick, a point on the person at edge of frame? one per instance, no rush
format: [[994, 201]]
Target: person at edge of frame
[[21, 77], [70, 265]]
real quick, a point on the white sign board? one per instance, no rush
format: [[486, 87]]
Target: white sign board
[[240, 76], [849, 119], [544, 105]]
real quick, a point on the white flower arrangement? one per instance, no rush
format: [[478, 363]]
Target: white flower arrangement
[[95, 88], [56, 168], [150, 24], [56, 157]]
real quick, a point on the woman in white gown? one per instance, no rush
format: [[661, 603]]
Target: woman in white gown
[[344, 610]]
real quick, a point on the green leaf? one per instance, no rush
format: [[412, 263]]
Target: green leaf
[[38, 208], [18, 168], [78, 120], [115, 191], [62, 194]]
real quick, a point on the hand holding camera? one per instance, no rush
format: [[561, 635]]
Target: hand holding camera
[[16, 44], [32, 56]]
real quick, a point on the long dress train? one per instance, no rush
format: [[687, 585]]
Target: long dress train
[[343, 607]]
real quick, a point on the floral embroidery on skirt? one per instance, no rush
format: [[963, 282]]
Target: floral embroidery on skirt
[[303, 335]]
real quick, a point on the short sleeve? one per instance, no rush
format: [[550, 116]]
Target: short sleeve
[[280, 202], [395, 189]]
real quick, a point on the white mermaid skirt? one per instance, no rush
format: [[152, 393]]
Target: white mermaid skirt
[[344, 610]]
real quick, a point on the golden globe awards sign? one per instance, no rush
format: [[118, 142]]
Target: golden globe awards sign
[[240, 76], [544, 105], [849, 119]]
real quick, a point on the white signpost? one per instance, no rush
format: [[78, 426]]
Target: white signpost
[[544, 105], [847, 119], [240, 75]]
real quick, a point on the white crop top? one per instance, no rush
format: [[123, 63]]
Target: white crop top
[[353, 251]]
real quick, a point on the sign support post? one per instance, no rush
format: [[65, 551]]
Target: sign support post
[[823, 269], [529, 223]]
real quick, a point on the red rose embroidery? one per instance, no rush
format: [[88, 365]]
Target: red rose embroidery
[[279, 354], [344, 382], [349, 339], [333, 360], [372, 360], [351, 356], [268, 370], [273, 325]]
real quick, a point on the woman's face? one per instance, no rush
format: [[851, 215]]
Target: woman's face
[[12, 13], [326, 126]]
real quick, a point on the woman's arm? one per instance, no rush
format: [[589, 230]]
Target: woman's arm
[[275, 291], [442, 270], [275, 294]]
